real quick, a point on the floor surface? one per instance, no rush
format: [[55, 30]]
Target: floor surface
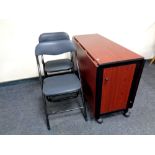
[[21, 112]]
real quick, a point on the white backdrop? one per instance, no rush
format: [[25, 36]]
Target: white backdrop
[[130, 23]]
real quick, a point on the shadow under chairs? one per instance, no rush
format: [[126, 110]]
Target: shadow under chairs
[[62, 86]]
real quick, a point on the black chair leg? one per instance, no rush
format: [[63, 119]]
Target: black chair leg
[[84, 105], [47, 122], [45, 73], [46, 114]]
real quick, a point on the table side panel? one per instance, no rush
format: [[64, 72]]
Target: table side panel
[[88, 71]]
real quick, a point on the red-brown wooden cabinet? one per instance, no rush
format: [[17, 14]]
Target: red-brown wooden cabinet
[[110, 74]]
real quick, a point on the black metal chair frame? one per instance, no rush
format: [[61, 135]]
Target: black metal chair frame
[[45, 98]]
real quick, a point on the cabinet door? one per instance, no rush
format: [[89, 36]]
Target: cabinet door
[[116, 87]]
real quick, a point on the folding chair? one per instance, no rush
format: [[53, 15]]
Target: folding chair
[[56, 66], [61, 86]]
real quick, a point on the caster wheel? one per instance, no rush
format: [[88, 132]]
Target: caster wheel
[[127, 114], [99, 121]]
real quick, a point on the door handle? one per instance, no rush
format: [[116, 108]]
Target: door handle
[[106, 79]]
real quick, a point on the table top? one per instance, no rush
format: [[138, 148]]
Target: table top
[[103, 50]]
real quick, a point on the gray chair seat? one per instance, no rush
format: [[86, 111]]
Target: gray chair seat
[[61, 84], [58, 65]]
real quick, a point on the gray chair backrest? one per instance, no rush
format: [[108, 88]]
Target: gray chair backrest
[[54, 47], [53, 36]]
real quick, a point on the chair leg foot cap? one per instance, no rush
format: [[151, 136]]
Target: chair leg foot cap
[[99, 121], [127, 114]]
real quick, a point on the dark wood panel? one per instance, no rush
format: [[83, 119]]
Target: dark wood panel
[[103, 50], [107, 71], [116, 87], [88, 71]]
